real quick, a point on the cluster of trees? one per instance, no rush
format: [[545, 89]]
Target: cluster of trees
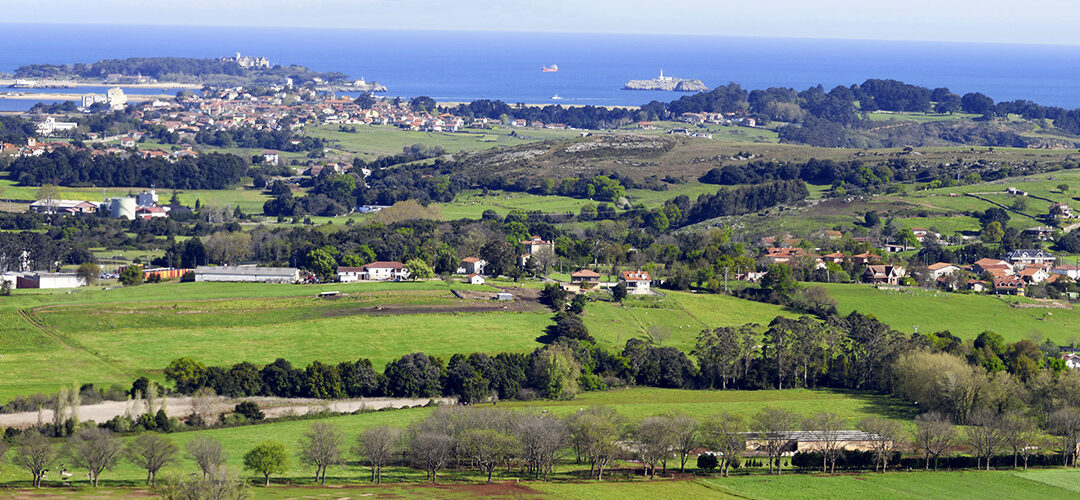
[[165, 68], [248, 137], [819, 172], [80, 168], [745, 200]]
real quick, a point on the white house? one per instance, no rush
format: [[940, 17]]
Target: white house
[[475, 279], [51, 126], [347, 274], [473, 265], [385, 271], [1072, 360], [1029, 256], [1068, 270], [942, 269], [637, 282]]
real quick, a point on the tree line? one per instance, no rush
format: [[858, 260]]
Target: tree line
[[81, 168]]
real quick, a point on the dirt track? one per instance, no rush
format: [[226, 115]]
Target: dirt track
[[181, 407]]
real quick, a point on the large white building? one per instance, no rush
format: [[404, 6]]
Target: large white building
[[375, 271], [248, 274], [116, 98], [49, 280], [50, 126]]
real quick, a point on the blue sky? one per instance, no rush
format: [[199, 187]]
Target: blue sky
[[1007, 21]]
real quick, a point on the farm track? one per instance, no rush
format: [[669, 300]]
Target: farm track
[[67, 343]]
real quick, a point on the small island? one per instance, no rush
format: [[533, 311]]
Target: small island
[[670, 83]]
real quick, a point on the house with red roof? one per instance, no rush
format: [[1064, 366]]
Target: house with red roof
[[637, 282]]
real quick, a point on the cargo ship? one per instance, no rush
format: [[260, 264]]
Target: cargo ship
[[554, 68]]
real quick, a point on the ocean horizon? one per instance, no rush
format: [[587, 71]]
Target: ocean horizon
[[466, 65]]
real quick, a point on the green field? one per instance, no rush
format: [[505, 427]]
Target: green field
[[370, 141], [964, 315], [928, 485], [249, 199], [114, 336]]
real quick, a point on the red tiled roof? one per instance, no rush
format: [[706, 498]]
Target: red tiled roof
[[381, 264]]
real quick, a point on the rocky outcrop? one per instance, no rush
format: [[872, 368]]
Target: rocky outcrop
[[667, 83]]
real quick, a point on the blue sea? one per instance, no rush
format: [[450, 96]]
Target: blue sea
[[464, 66]]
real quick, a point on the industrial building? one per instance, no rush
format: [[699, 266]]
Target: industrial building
[[49, 280], [248, 274]]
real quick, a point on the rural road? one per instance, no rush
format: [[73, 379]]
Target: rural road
[[181, 407]]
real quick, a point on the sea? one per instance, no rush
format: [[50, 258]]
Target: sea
[[460, 66]]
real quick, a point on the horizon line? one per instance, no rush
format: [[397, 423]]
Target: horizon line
[[527, 31]]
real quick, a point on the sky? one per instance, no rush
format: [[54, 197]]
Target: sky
[[994, 21]]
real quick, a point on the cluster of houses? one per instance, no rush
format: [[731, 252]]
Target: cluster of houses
[[140, 206], [1009, 276]]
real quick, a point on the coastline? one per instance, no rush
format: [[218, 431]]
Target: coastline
[[158, 85], [67, 96], [542, 105]]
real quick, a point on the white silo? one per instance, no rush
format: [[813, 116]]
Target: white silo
[[122, 208]]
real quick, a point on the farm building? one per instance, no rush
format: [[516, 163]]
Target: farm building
[[812, 440], [49, 280], [375, 271], [475, 279], [248, 274], [164, 273], [347, 274]]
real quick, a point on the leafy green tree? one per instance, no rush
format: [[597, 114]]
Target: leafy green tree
[[88, 272], [131, 276], [779, 278], [993, 232], [1063, 188], [419, 270], [186, 373], [322, 263], [249, 410], [618, 293], [268, 458]]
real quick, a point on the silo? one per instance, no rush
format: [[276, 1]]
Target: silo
[[122, 207]]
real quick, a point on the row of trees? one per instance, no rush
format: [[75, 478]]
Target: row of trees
[[489, 439]]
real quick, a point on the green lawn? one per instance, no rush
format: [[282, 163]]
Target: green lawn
[[249, 199], [897, 485], [964, 315]]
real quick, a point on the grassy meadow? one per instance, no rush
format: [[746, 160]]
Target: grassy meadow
[[966, 316], [106, 336]]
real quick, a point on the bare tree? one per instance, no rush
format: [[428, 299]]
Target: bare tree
[[321, 446], [724, 434], [934, 435], [684, 430], [219, 485], [774, 426], [986, 436], [489, 448], [542, 437], [34, 453], [206, 452], [379, 445], [1019, 434], [432, 451], [151, 451], [654, 442], [49, 194], [206, 404], [594, 431], [884, 434], [94, 449], [1065, 423], [826, 429]]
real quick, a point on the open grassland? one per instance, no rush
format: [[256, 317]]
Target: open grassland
[[114, 336], [964, 315], [634, 404], [472, 204], [371, 141], [682, 315], [897, 485]]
